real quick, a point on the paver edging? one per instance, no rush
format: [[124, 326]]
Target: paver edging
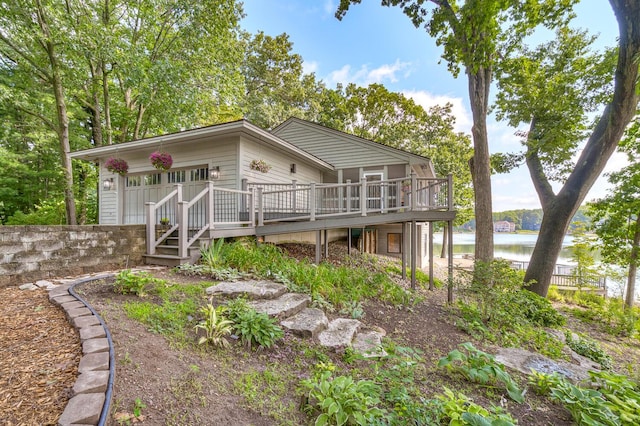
[[108, 392]]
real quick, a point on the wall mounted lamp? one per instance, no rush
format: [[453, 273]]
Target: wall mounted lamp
[[214, 172], [292, 168], [108, 184]]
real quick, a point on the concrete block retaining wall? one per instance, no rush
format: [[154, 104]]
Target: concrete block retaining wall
[[30, 253]]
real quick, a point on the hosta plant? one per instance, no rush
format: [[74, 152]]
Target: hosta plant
[[215, 326]]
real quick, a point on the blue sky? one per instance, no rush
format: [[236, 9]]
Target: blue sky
[[375, 44]]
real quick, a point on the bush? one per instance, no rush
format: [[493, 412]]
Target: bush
[[252, 327], [128, 282]]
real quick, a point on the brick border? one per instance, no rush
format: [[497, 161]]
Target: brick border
[[93, 389]]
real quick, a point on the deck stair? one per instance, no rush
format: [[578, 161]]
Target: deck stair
[[167, 253]]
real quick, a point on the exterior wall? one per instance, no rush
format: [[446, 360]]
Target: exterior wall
[[31, 253], [305, 237], [422, 256], [207, 153], [280, 163]]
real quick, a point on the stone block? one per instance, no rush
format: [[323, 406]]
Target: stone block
[[250, 289], [75, 304], [83, 409], [91, 346], [58, 291], [92, 332], [306, 323], [94, 362], [91, 382], [78, 312], [369, 344], [85, 321], [284, 306], [28, 286], [63, 299], [340, 333]]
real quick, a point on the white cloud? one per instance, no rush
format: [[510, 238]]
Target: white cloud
[[365, 76], [428, 100], [330, 7], [309, 67]]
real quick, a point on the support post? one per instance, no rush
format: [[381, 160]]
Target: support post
[[252, 207], [348, 189], [414, 250], [413, 203], [326, 244], [349, 241], [363, 197], [450, 263], [151, 227], [183, 228], [318, 246], [431, 286], [294, 196], [450, 191], [312, 201], [211, 205], [260, 208], [403, 244]]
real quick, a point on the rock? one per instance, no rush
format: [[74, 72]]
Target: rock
[[284, 306], [250, 289], [45, 284], [369, 344], [28, 286], [94, 362], [339, 333], [307, 323], [525, 361]]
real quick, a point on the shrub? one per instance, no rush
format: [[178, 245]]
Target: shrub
[[341, 400], [128, 282], [252, 327]]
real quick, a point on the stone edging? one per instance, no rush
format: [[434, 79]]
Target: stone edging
[[96, 372]]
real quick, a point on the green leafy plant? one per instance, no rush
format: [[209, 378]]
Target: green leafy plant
[[621, 394], [252, 327], [341, 400], [589, 348], [128, 282], [352, 308], [211, 255], [460, 410], [138, 405], [587, 406], [216, 327], [480, 367]]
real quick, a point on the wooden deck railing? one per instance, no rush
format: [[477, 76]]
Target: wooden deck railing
[[261, 204]]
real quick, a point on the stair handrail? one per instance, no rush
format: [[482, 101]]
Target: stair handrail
[[151, 209]]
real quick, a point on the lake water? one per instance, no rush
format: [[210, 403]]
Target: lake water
[[506, 245], [519, 247]]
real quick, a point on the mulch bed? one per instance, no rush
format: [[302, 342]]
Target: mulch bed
[[39, 356]]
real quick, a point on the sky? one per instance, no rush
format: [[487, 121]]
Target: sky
[[376, 44]]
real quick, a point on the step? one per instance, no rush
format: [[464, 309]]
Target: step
[[369, 344], [307, 323], [339, 333], [252, 289], [166, 259], [284, 306]]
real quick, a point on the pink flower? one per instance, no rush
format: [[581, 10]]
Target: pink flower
[[161, 160], [117, 165]]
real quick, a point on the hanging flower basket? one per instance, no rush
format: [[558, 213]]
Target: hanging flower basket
[[161, 160], [117, 165], [259, 165]]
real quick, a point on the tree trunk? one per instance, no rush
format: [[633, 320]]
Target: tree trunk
[[558, 210], [479, 84], [633, 267], [61, 113], [107, 107], [445, 242], [96, 116]]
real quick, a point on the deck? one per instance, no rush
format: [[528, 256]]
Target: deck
[[267, 209]]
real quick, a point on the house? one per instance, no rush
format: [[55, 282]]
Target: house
[[299, 182], [504, 226]]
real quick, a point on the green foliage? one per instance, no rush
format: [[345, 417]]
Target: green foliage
[[621, 394], [589, 348], [609, 313], [253, 328], [480, 367], [341, 400], [211, 255], [493, 306], [215, 325], [460, 411], [587, 406], [169, 319], [128, 282]]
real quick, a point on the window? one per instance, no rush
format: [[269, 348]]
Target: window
[[178, 176], [200, 174], [131, 181], [154, 179], [394, 243]]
